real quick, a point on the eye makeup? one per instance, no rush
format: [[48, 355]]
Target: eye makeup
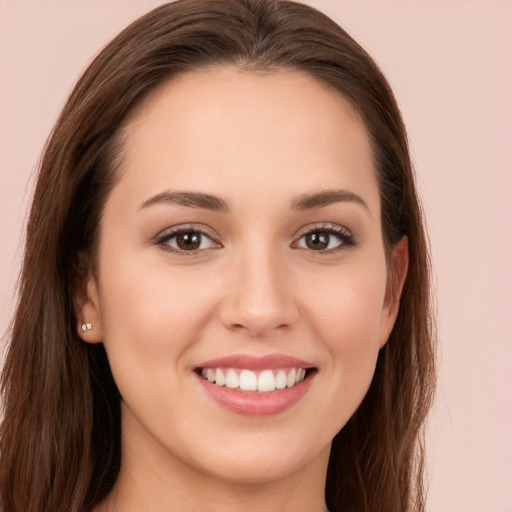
[[325, 238], [189, 240]]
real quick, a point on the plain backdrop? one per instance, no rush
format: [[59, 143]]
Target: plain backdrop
[[450, 65]]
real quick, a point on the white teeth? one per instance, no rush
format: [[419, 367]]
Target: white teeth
[[266, 381], [247, 380], [281, 379], [290, 380], [232, 379], [219, 377]]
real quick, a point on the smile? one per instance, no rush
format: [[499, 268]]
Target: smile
[[256, 386], [244, 379]]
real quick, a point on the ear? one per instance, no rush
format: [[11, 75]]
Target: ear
[[397, 273], [87, 306]]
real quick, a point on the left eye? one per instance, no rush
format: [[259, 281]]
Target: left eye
[[188, 241], [323, 240]]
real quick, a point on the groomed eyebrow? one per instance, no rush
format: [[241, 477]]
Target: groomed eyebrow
[[325, 198], [190, 199], [309, 201]]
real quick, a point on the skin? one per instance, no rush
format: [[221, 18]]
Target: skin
[[258, 141]]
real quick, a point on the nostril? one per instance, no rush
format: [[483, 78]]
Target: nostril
[[260, 331]]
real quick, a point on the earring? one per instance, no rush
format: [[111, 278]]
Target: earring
[[85, 327]]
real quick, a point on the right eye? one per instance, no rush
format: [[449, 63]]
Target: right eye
[[187, 240]]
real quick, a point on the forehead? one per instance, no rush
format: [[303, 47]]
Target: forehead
[[225, 129]]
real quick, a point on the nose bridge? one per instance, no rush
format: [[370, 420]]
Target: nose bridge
[[261, 299]]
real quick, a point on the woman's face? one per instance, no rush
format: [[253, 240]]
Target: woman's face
[[241, 248]]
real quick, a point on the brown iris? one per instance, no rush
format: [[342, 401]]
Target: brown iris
[[319, 240], [188, 241]]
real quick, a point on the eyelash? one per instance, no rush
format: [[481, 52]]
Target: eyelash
[[344, 236], [166, 237]]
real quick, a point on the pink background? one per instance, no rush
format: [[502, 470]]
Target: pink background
[[450, 64]]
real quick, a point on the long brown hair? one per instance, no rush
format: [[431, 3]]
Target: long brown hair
[[60, 436]]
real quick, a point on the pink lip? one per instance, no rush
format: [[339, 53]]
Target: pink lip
[[270, 361], [254, 403]]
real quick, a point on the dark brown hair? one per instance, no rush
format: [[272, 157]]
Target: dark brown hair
[[60, 436]]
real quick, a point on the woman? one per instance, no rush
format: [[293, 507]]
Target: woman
[[225, 293]]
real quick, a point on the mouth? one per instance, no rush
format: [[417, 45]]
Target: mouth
[[263, 381], [258, 386]]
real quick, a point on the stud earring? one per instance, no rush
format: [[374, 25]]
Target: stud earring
[[85, 327]]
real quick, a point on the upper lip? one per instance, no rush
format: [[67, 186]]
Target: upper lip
[[249, 362]]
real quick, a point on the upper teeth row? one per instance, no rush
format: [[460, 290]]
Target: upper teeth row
[[248, 380]]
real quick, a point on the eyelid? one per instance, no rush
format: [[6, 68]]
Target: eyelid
[[323, 226], [346, 237], [173, 231]]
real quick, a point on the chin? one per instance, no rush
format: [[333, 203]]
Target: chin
[[264, 459]]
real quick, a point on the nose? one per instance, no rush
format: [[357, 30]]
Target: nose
[[259, 298]]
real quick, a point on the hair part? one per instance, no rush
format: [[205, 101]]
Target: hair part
[[60, 437]]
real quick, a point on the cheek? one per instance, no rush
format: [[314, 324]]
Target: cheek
[[347, 309], [346, 318], [150, 316]]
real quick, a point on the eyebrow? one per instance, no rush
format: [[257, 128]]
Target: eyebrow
[[190, 199], [303, 202], [327, 197]]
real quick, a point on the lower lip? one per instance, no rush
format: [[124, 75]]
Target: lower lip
[[252, 403]]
